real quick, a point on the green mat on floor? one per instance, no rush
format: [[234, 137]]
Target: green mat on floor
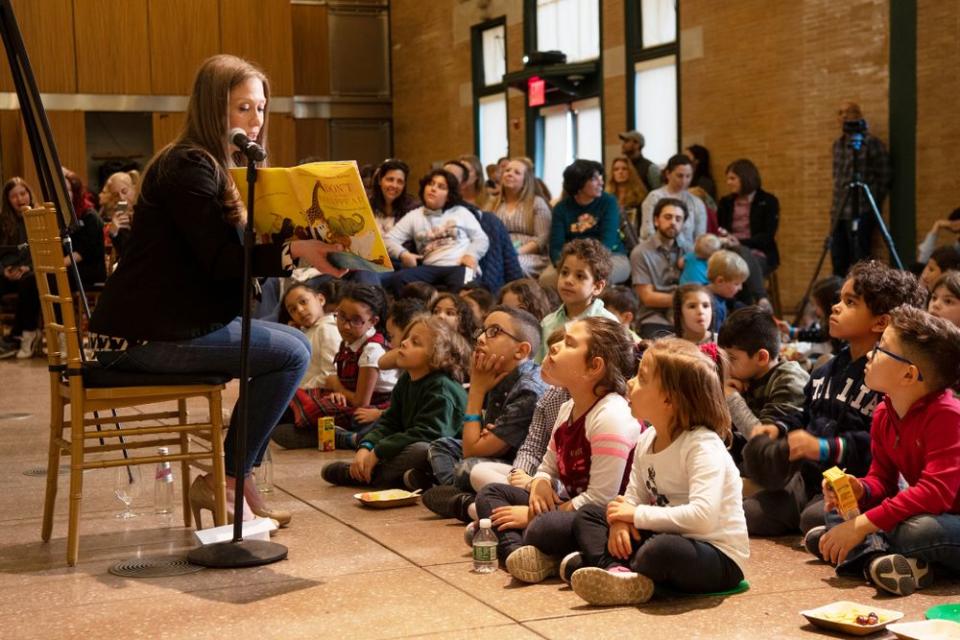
[[670, 593]]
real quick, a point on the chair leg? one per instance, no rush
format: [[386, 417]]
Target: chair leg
[[76, 481], [184, 465], [219, 477], [53, 464]]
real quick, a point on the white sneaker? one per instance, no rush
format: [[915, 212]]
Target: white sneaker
[[28, 341]]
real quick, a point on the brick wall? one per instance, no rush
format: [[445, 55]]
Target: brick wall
[[757, 81]]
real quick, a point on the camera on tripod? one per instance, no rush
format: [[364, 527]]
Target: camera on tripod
[[855, 129]]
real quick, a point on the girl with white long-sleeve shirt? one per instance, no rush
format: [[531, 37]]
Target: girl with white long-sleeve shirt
[[448, 238], [587, 459], [680, 523]]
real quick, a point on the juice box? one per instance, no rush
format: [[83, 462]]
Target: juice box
[[846, 501], [325, 434]]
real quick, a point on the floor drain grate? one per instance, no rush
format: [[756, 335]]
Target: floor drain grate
[[40, 472], [14, 416], [156, 567]]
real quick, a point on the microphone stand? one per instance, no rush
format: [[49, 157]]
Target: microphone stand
[[238, 552]]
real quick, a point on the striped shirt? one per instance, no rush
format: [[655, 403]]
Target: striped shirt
[[530, 454]]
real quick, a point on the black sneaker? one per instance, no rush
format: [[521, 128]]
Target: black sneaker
[[417, 479], [811, 541], [343, 439], [570, 563], [437, 499], [8, 349], [459, 506], [898, 574], [338, 473]]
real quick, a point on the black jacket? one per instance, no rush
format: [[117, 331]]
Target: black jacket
[[764, 219], [182, 272]]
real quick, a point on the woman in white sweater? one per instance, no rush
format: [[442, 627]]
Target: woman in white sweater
[[447, 239], [680, 523]]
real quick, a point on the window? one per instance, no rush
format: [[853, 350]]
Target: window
[[570, 131], [653, 107], [489, 92], [571, 26]]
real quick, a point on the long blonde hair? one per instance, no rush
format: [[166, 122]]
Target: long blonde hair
[[635, 192], [527, 195], [680, 367], [207, 124]]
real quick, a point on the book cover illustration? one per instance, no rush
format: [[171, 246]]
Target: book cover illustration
[[317, 201]]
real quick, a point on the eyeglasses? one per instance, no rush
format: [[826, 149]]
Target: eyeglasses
[[355, 322], [896, 357], [492, 332]]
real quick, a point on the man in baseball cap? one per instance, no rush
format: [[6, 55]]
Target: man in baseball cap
[[631, 145]]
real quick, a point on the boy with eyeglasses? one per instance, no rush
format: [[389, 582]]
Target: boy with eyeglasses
[[505, 386], [787, 459], [915, 435]]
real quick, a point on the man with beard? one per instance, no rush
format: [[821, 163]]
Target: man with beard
[[654, 268]]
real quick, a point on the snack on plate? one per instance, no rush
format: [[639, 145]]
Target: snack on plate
[[853, 616], [846, 501], [382, 496]]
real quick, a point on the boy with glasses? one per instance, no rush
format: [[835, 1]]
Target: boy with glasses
[[915, 435], [505, 386], [788, 457]]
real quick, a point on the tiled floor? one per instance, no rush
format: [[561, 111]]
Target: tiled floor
[[351, 573]]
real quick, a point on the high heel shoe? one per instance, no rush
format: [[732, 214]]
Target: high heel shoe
[[202, 498]]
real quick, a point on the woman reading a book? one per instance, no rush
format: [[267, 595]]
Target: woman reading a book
[[174, 302]]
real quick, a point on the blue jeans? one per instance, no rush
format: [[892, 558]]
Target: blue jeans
[[451, 278], [279, 356], [927, 537], [449, 465]]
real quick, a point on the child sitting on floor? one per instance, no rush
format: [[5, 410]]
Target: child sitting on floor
[[479, 299], [945, 297], [303, 307], [427, 403], [505, 386], [695, 262], [727, 272], [680, 523], [915, 434], [526, 294], [693, 306], [587, 460], [584, 267], [455, 311], [622, 302]]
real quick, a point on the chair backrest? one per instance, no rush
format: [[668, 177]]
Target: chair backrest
[[53, 283]]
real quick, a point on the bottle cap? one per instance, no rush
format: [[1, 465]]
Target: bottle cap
[[485, 523]]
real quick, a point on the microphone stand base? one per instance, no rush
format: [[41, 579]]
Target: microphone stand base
[[237, 555]]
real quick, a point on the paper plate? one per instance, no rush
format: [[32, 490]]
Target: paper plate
[[926, 630], [387, 499], [841, 616], [950, 611]]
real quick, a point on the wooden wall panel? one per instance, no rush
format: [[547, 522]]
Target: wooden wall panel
[[166, 127], [261, 31], [311, 50], [282, 140], [11, 149], [183, 33], [47, 29], [69, 135], [113, 46], [313, 138]]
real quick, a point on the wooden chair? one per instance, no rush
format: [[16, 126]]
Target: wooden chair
[[87, 388]]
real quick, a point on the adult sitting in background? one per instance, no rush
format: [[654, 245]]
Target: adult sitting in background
[[679, 174], [631, 145], [16, 269], [525, 215], [471, 187], [448, 238], [389, 199], [625, 185], [586, 211], [702, 175], [500, 264], [748, 215], [655, 268], [951, 225], [89, 250], [117, 198]]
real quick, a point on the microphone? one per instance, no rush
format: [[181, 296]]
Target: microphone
[[247, 147]]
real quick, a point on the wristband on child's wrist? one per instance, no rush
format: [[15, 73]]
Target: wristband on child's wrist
[[366, 445], [471, 417], [824, 450]]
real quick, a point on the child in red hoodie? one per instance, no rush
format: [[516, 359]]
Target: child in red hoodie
[[915, 433]]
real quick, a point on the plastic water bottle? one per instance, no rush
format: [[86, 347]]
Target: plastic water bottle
[[163, 486], [264, 473], [485, 548]]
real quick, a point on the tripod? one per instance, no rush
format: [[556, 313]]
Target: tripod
[[853, 191]]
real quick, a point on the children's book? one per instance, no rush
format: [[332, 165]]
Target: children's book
[[318, 201]]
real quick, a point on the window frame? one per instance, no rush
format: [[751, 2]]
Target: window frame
[[480, 88], [633, 19], [535, 131]]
